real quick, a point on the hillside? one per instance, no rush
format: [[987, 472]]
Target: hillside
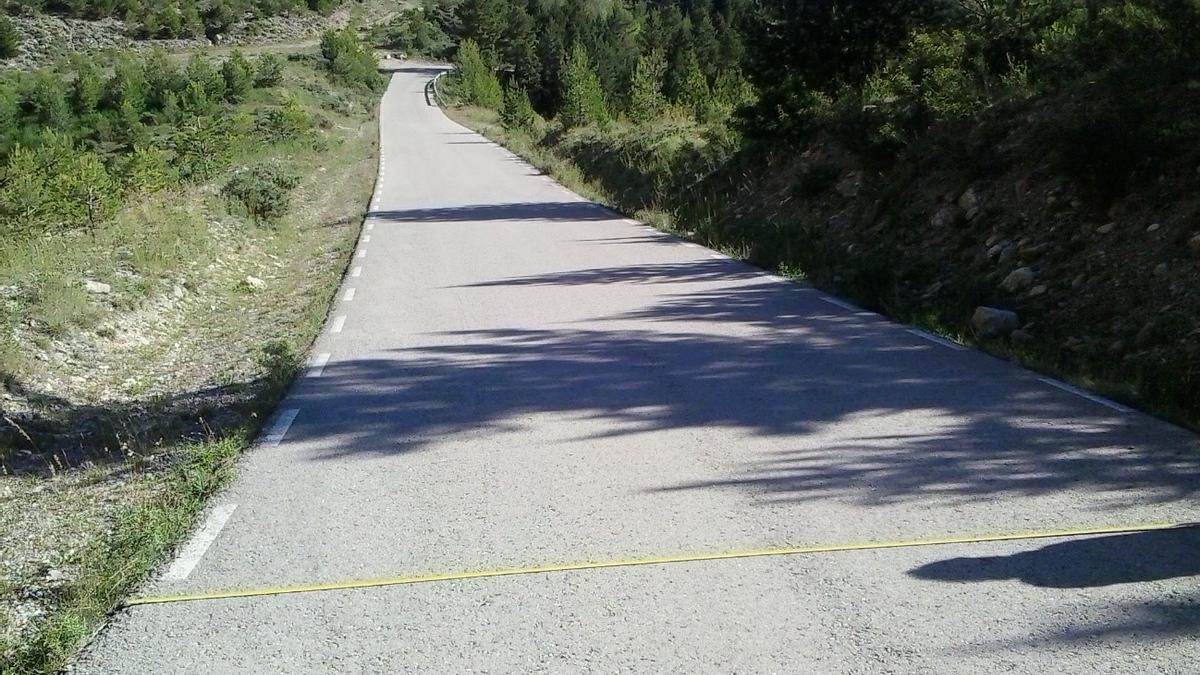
[[175, 227]]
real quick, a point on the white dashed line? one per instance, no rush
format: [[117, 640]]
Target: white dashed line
[[362, 254], [366, 239], [370, 226], [281, 426], [1112, 405], [317, 367], [935, 339], [349, 295], [194, 550], [839, 303], [339, 322], [356, 272], [718, 256]]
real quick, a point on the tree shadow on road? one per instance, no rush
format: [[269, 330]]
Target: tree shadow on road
[[1083, 563]]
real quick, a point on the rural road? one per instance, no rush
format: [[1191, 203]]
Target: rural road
[[515, 377]]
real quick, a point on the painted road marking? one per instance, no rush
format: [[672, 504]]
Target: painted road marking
[[1112, 405], [281, 426], [366, 239], [718, 256], [318, 365], [339, 322], [935, 339], [839, 303], [659, 560], [356, 272], [370, 226], [362, 253], [194, 550], [349, 295]]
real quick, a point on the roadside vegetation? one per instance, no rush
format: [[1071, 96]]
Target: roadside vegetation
[[1020, 174], [174, 227]]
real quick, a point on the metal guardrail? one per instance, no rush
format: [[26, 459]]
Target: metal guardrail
[[433, 96]]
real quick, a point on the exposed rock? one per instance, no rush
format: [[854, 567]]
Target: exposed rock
[[1194, 245], [1040, 289], [1106, 228], [850, 184], [947, 216], [254, 282], [1023, 337], [971, 203], [990, 322], [1160, 270], [96, 287], [1154, 227], [1018, 280]]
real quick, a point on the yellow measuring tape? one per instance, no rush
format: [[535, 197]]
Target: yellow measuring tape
[[634, 562]]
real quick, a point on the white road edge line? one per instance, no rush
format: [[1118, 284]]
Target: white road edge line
[[362, 254], [349, 295], [1112, 405], [366, 238], [839, 303], [718, 256], [317, 367], [281, 426], [339, 322], [356, 272], [371, 226], [190, 555], [935, 339]]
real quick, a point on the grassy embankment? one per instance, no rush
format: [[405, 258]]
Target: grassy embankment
[[127, 406]]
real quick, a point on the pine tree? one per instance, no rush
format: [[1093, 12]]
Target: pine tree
[[88, 86], [518, 111], [238, 76], [694, 92], [483, 21], [583, 97], [10, 39], [646, 100], [475, 78]]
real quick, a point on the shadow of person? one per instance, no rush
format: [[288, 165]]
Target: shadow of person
[[1082, 563]]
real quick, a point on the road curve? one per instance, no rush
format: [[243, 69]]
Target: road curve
[[513, 377]]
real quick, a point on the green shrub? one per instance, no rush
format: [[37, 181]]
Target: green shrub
[[202, 147], [349, 60], [148, 169], [262, 189], [288, 122], [268, 71]]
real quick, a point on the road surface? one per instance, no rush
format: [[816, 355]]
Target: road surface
[[515, 377]]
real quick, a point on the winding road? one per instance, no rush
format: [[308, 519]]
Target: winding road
[[513, 378]]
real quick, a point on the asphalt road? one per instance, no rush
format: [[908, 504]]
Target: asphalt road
[[514, 376]]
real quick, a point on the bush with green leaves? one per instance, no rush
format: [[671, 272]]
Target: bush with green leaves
[[285, 123], [349, 60], [474, 79], [263, 190], [268, 71]]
